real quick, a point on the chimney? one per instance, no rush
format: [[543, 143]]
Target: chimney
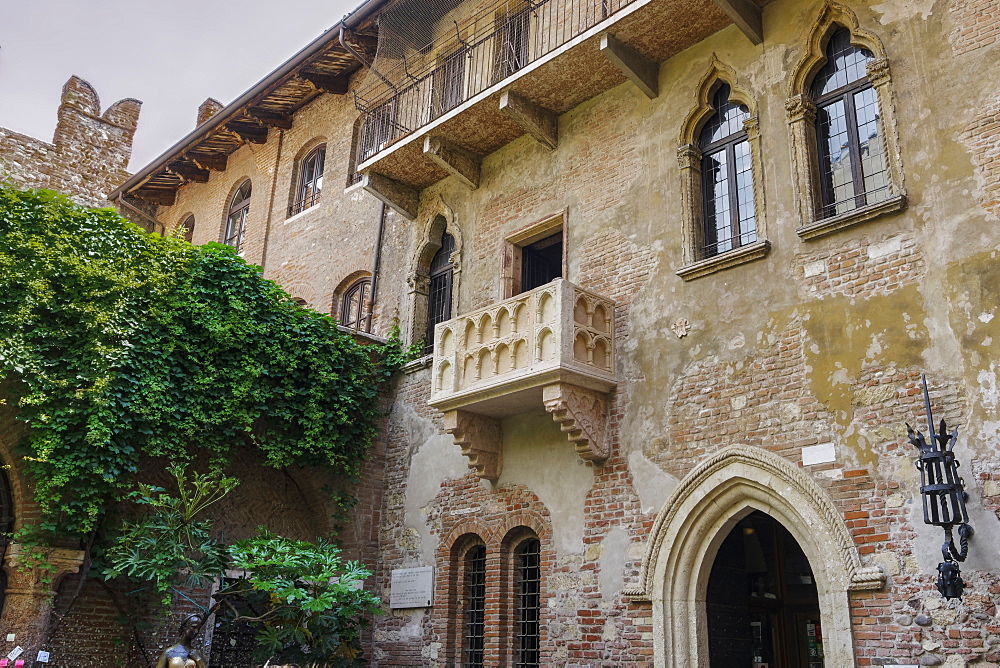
[[207, 109]]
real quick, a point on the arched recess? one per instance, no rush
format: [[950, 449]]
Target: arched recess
[[689, 156], [700, 514], [436, 219]]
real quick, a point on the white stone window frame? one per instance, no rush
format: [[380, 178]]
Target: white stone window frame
[[801, 116], [689, 157]]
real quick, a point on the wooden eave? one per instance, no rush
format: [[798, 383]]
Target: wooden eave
[[273, 107]]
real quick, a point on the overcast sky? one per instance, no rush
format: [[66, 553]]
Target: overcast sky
[[171, 55]]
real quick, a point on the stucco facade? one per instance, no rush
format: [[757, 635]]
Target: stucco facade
[[770, 380]]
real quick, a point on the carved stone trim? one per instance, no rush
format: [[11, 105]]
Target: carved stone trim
[[708, 503], [826, 226], [733, 258], [582, 415], [480, 438]]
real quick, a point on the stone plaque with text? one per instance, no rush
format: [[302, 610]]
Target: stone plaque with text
[[412, 588]]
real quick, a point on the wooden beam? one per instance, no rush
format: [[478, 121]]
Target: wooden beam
[[537, 121], [641, 71], [248, 133], [326, 83], [400, 197], [271, 118], [458, 162], [160, 197], [747, 17], [215, 162], [189, 171]]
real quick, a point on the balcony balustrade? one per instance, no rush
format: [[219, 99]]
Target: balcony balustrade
[[552, 347]]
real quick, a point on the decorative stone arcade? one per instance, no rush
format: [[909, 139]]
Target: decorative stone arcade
[[552, 346]]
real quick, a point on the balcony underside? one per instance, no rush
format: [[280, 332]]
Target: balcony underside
[[558, 82]]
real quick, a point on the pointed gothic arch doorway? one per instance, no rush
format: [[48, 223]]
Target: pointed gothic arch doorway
[[762, 602]]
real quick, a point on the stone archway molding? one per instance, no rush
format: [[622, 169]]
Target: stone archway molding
[[695, 520]]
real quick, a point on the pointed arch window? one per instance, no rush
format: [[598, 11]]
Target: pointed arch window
[[439, 289], [188, 226], [853, 167], [729, 212], [236, 219], [310, 180]]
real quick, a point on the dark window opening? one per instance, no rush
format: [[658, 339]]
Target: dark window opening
[[854, 170], [762, 601], [527, 604], [448, 84], [474, 617], [188, 226], [439, 288], [729, 213], [512, 44], [234, 642], [541, 262], [310, 181], [236, 220]]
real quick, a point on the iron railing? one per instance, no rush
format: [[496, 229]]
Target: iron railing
[[416, 90]]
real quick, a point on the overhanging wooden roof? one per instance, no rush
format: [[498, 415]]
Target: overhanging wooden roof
[[323, 66]]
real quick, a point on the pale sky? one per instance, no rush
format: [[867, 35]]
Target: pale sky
[[171, 55]]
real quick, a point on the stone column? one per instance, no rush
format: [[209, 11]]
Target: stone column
[[31, 588]]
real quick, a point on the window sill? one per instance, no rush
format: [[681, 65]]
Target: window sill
[[419, 364], [733, 258], [302, 213], [821, 228]]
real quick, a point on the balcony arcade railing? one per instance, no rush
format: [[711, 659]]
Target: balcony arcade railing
[[485, 49], [490, 359]]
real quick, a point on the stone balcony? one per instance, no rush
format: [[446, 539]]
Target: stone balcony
[[551, 347]]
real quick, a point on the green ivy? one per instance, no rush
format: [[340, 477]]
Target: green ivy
[[119, 343]]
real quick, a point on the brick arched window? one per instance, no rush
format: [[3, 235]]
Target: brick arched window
[[853, 167], [729, 213], [310, 183], [188, 226], [527, 602], [473, 606], [236, 218], [354, 305]]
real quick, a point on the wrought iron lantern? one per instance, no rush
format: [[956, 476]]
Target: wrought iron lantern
[[944, 497]]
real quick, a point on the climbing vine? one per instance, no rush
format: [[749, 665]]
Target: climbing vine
[[117, 344]]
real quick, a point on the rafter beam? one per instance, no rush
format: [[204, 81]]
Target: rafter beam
[[460, 163], [400, 197], [641, 71], [326, 83], [215, 162], [160, 197], [537, 121], [747, 17], [189, 171], [271, 118], [248, 133]]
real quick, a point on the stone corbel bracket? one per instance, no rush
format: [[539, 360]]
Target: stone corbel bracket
[[480, 438], [582, 416]]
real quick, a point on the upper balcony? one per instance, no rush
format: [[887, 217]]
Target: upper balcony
[[498, 69], [551, 347]]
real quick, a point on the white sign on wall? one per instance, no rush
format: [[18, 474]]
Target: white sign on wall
[[412, 588]]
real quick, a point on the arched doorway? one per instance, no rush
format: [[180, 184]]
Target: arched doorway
[[762, 604], [6, 527], [701, 513]]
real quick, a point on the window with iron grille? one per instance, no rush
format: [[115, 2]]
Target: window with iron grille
[[235, 641], [474, 607], [354, 305], [310, 181], [729, 215], [439, 289], [853, 165], [527, 604], [236, 220], [188, 226]]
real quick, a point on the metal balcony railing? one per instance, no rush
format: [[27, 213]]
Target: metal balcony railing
[[556, 332], [484, 50]]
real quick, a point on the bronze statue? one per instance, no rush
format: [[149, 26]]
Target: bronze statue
[[180, 654]]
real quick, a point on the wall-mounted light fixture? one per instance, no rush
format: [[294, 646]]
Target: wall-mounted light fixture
[[944, 497]]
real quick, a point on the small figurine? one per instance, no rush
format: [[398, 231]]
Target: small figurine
[[181, 655]]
